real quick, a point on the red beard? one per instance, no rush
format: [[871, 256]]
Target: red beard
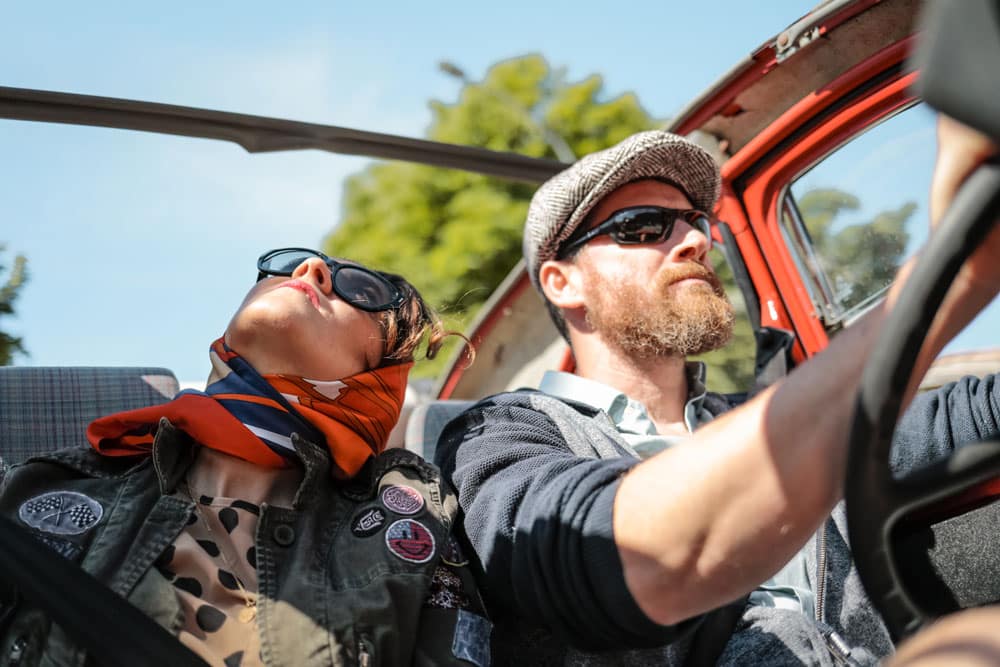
[[663, 319]]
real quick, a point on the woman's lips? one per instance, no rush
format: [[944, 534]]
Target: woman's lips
[[305, 288]]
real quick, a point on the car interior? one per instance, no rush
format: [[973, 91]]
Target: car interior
[[797, 292]]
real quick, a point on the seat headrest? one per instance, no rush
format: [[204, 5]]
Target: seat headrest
[[43, 409]]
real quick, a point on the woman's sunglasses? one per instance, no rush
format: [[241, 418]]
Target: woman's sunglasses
[[639, 225], [358, 286]]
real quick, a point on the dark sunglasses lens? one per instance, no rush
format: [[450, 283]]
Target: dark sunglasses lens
[[700, 221], [642, 227], [284, 263], [364, 289]]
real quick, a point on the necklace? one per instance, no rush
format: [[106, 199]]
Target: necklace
[[249, 612]]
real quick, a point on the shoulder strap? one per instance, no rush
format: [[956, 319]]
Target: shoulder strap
[[84, 608], [713, 634]]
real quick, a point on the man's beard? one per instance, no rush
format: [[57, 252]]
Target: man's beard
[[657, 321]]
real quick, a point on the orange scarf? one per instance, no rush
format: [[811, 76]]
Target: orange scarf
[[253, 416]]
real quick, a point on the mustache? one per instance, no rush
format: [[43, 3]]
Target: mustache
[[672, 274]]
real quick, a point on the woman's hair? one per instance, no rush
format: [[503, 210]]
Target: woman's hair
[[404, 327]]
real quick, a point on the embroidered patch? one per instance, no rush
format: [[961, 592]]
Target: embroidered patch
[[368, 522], [402, 499], [410, 540], [447, 591], [453, 554], [61, 512], [471, 641]]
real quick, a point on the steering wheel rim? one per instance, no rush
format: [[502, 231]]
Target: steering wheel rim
[[876, 501]]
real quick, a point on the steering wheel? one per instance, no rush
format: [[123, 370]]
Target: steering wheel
[[918, 541], [906, 532]]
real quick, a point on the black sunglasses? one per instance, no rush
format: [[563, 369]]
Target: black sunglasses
[[641, 224], [358, 286]]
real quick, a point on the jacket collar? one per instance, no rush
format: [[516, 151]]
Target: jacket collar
[[174, 452], [627, 414]]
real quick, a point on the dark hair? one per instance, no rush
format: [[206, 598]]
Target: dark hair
[[404, 327]]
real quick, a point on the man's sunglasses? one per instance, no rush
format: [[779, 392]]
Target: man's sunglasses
[[639, 225], [358, 286]]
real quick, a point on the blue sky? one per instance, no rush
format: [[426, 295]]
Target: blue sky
[[140, 246]]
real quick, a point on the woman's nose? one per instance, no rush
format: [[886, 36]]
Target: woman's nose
[[316, 271]]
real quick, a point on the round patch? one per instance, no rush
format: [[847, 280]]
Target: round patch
[[453, 554], [61, 512], [368, 522], [402, 499], [410, 540]]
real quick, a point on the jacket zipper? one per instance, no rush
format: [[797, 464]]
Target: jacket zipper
[[819, 611], [839, 649]]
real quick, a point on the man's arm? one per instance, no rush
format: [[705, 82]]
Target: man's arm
[[705, 522], [539, 520], [939, 421]]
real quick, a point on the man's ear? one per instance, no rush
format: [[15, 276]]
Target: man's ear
[[561, 282]]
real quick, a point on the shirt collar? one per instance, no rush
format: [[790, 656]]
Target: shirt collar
[[628, 415]]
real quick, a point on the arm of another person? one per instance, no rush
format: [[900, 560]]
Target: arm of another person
[[705, 522]]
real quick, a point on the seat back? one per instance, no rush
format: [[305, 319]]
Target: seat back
[[43, 409], [426, 423]]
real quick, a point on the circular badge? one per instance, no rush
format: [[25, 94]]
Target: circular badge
[[368, 522], [61, 512], [453, 555], [410, 540], [402, 499]]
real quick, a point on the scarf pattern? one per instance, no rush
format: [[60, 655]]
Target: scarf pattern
[[253, 416]]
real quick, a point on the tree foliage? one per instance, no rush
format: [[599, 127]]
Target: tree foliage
[[457, 234], [9, 291], [859, 260]]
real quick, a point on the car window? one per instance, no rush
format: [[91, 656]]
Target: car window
[[854, 217]]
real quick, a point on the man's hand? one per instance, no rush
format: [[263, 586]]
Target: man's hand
[[960, 151]]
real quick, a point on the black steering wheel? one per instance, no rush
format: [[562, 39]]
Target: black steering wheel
[[903, 530], [919, 540]]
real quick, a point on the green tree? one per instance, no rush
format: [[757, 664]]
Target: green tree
[[859, 260], [457, 234], [11, 345]]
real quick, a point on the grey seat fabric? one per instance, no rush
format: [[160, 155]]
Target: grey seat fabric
[[426, 423], [43, 409]]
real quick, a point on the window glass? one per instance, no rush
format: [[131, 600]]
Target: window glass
[[858, 214]]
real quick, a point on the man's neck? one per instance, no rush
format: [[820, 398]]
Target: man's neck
[[660, 383]]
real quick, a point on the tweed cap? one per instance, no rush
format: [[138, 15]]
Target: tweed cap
[[564, 201]]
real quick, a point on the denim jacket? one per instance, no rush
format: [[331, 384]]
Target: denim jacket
[[333, 589]]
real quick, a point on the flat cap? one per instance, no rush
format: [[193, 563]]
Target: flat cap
[[564, 201]]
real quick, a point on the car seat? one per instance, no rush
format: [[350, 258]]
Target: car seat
[[43, 409]]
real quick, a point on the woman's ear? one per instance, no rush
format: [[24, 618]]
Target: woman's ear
[[561, 283]]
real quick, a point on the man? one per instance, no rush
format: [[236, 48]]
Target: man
[[582, 547]]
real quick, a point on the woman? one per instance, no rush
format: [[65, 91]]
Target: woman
[[262, 520]]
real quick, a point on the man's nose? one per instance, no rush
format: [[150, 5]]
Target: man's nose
[[693, 246], [316, 271]]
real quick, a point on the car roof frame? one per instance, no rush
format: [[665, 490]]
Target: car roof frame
[[262, 134]]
